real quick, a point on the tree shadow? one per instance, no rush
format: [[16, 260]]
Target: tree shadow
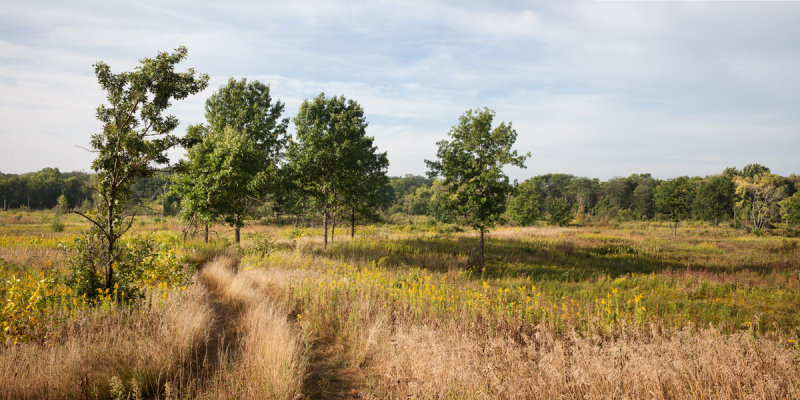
[[506, 257]]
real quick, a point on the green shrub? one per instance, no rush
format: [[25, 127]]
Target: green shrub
[[57, 226], [262, 245], [142, 261]]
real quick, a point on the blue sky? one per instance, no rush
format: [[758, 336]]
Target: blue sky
[[596, 89]]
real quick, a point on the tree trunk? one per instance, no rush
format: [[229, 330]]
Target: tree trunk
[[111, 241], [333, 226], [110, 265], [236, 234], [483, 263], [325, 229], [205, 233], [352, 222]]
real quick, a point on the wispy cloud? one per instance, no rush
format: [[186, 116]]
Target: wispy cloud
[[593, 88]]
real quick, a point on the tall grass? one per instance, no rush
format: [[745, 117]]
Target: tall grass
[[268, 361], [143, 349]]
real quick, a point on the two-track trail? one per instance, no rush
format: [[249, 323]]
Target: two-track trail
[[256, 347]]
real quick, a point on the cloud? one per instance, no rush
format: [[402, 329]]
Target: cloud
[[593, 88]]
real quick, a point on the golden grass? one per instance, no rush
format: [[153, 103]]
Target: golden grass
[[268, 362], [375, 348], [420, 362], [143, 349], [398, 313]]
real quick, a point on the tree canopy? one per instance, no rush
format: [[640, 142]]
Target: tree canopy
[[332, 159], [233, 161], [135, 137], [471, 163]]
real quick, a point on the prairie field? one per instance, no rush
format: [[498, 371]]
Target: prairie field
[[627, 310]]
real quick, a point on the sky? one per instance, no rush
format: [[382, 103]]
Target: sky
[[593, 88]]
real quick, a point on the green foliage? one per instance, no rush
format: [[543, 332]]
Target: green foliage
[[674, 197], [525, 205], [248, 107], [41, 189], [715, 198], [57, 226], [559, 211], [135, 138], [63, 204], [233, 161], [332, 160], [263, 244], [472, 162], [143, 261], [225, 173], [753, 170], [790, 209]]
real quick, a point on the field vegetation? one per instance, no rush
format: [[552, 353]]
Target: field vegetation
[[403, 310]]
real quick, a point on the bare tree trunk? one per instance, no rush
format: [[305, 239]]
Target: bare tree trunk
[[325, 229], [483, 263], [333, 226], [205, 233], [352, 222], [236, 234]]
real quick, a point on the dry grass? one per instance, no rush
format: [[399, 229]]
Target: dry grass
[[363, 346], [374, 318], [268, 360], [419, 362], [145, 349]]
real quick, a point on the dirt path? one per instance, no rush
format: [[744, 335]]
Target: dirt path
[[328, 377], [325, 375]]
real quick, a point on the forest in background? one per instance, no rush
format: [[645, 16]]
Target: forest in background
[[751, 198]]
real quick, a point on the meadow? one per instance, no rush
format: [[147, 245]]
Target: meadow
[[625, 310]]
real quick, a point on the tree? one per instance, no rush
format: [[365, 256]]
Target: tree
[[363, 175], [673, 198], [134, 139], [245, 123], [227, 172], [790, 209], [758, 198], [753, 170], [642, 201], [525, 205], [332, 154], [471, 163], [559, 211], [715, 198]]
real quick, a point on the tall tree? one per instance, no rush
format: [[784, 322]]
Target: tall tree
[[525, 204], [673, 198], [233, 160], [135, 138], [472, 162], [758, 198], [790, 209], [332, 153], [714, 198], [364, 175]]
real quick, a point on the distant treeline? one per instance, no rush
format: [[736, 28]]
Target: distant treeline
[[752, 196], [41, 189]]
